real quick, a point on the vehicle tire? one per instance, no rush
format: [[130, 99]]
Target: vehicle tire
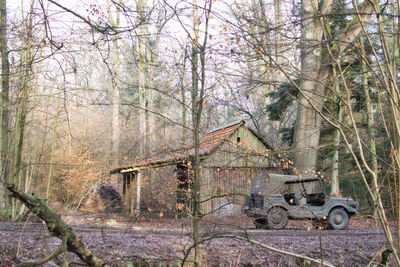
[[260, 223], [338, 219], [277, 218]]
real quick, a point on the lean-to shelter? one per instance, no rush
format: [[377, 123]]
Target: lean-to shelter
[[231, 155]]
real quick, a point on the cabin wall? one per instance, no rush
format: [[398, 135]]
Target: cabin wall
[[158, 193], [227, 188], [243, 149], [230, 170], [129, 191], [227, 171]]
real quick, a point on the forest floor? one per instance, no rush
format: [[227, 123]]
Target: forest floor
[[119, 240]]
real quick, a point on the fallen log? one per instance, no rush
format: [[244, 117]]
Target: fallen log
[[58, 228]]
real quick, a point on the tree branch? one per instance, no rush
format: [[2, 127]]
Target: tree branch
[[44, 260], [58, 228], [355, 26], [93, 26]]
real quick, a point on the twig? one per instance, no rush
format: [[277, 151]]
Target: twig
[[247, 239], [376, 255], [44, 260], [22, 232], [320, 246]]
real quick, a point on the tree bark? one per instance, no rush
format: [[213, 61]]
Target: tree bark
[[23, 102], [115, 92], [53, 144], [308, 122], [198, 95], [315, 68], [369, 109], [5, 83], [196, 115], [183, 102], [141, 53], [57, 227], [141, 44], [370, 114], [335, 188]]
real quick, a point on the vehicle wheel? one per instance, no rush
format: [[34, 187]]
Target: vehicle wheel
[[277, 218], [338, 219], [260, 223]]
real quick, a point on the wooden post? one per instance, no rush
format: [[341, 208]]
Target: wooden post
[[126, 191], [132, 193], [123, 185], [138, 185]]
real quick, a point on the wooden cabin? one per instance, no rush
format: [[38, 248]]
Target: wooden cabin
[[231, 156]]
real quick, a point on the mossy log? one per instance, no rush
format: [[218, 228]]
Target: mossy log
[[58, 227]]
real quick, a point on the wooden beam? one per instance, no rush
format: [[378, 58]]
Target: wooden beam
[[129, 170], [153, 164]]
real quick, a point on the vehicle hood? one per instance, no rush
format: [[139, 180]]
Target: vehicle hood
[[348, 201], [340, 198]]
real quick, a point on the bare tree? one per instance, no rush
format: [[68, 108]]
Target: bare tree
[[386, 86], [315, 69], [115, 80], [5, 81]]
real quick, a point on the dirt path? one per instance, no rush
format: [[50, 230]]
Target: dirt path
[[160, 240], [34, 228]]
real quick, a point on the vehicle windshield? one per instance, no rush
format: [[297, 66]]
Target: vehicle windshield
[[313, 187]]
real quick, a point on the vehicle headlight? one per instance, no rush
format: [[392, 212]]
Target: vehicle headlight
[[353, 204]]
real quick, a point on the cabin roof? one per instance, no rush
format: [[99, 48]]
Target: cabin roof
[[208, 144], [217, 136]]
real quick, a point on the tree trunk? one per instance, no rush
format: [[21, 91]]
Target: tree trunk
[[25, 85], [115, 107], [149, 85], [315, 68], [370, 114], [196, 109], [183, 101], [335, 188], [263, 68], [143, 104], [308, 122], [58, 228], [53, 144], [115, 92], [141, 53], [369, 107], [5, 83], [198, 95], [277, 75]]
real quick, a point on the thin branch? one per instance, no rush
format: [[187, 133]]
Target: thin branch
[[247, 239], [48, 258]]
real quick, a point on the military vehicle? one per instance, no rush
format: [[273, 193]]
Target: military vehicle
[[275, 198]]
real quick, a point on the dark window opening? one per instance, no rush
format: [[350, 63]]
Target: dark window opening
[[182, 192], [238, 139]]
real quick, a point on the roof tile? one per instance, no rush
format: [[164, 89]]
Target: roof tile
[[207, 144]]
